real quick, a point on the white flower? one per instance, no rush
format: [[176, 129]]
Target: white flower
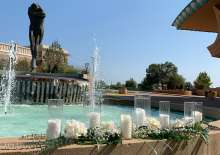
[[152, 123], [74, 129], [110, 125], [178, 123]]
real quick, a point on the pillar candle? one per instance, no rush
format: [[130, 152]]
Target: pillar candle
[[94, 120], [54, 128], [164, 121], [140, 117], [126, 126], [197, 116]]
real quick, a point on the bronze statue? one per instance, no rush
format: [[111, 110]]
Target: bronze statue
[[36, 30]]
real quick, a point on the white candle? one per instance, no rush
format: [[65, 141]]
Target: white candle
[[94, 120], [126, 126], [54, 128], [140, 117], [164, 121], [197, 116]]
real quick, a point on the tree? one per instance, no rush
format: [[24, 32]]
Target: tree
[[158, 74], [153, 73], [23, 65], [102, 84], [3, 63], [131, 84], [167, 70], [54, 58], [176, 81], [203, 81], [68, 69], [85, 70], [118, 85], [188, 86]]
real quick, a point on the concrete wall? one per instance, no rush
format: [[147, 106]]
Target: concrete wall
[[211, 106]]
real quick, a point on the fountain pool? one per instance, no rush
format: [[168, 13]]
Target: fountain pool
[[32, 119]]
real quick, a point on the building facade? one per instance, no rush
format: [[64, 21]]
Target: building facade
[[24, 52]]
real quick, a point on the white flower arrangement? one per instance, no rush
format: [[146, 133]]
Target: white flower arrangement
[[74, 129], [178, 123], [109, 125], [152, 123]]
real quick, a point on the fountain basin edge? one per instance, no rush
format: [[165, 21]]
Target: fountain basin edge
[[195, 146]]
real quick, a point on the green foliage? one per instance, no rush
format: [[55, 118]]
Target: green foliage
[[85, 70], [203, 81], [68, 69], [188, 86], [3, 63], [23, 65], [103, 136], [176, 81], [166, 71], [117, 86], [157, 74], [176, 134], [102, 85], [131, 84], [54, 58], [146, 84], [94, 136]]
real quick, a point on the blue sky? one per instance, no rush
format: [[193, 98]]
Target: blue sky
[[131, 35]]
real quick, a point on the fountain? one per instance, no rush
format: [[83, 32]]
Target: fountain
[[8, 79], [94, 95], [94, 91]]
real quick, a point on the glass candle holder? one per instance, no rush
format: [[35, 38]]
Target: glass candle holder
[[95, 110], [94, 119], [189, 108], [55, 108], [198, 112], [164, 110], [142, 109], [54, 128]]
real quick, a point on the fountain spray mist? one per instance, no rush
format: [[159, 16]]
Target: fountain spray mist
[[8, 78], [94, 77]]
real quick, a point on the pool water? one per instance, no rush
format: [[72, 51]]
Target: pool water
[[32, 119]]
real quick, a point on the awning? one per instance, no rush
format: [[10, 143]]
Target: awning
[[198, 15]]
